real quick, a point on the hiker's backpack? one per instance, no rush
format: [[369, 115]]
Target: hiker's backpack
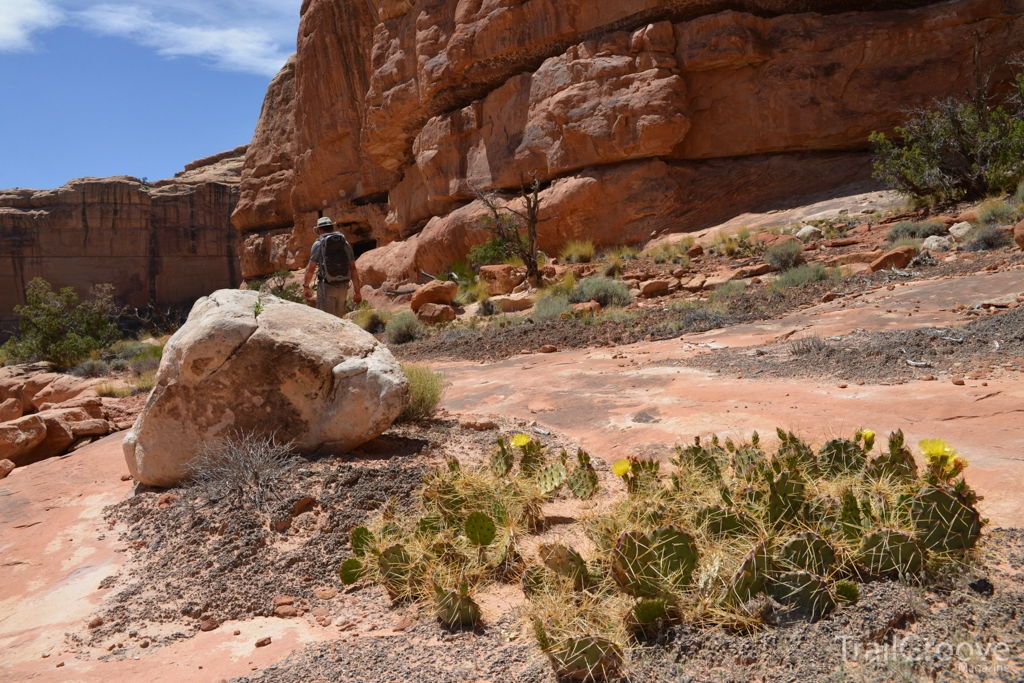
[[335, 264]]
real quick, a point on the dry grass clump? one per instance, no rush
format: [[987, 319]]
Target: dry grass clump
[[426, 391], [729, 536], [247, 470], [577, 251]]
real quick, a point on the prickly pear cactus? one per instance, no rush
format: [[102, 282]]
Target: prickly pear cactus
[[533, 454], [394, 569], [583, 481], [456, 609], [785, 497], [551, 478], [699, 459], [480, 529], [429, 526], [586, 658], [750, 577], [676, 554], [942, 522], [351, 571], [847, 591], [635, 566], [535, 580], [447, 554], [749, 462], [886, 552], [501, 460], [362, 541], [795, 453], [823, 513], [803, 591], [849, 516], [810, 552], [839, 457], [897, 463], [647, 612], [720, 522], [565, 561]]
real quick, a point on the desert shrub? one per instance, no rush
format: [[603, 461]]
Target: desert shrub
[[58, 327], [94, 367], [728, 290], [671, 252], [119, 365], [125, 349], [785, 256], [918, 231], [278, 285], [147, 360], [997, 212], [802, 275], [372, 320], [577, 251], [564, 287], [702, 320], [487, 308], [550, 307], [247, 470], [990, 239], [624, 253], [812, 346], [604, 291], [1019, 195], [143, 383], [426, 391], [907, 242], [113, 390], [958, 150], [403, 328]]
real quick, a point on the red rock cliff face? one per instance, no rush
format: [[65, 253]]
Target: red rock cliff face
[[170, 242], [641, 116]]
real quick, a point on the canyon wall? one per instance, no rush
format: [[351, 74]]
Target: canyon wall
[[639, 117], [170, 242]]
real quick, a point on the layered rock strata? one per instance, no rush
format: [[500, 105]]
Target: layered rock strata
[[639, 117], [169, 242]]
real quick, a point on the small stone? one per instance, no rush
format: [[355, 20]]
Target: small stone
[[166, 500], [46, 655], [843, 385], [477, 424], [6, 467], [59, 665], [526, 352], [286, 611], [928, 378], [548, 348], [126, 477], [403, 623], [283, 600], [829, 296], [859, 383], [144, 644], [325, 593], [237, 632], [958, 381], [96, 622], [209, 624], [263, 642]]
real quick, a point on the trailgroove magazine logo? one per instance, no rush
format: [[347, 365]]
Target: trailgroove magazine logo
[[916, 649]]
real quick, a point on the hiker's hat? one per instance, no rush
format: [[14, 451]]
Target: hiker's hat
[[325, 223]]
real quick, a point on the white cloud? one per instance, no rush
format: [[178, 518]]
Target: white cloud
[[19, 19], [251, 36]]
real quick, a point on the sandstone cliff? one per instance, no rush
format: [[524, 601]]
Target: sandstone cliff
[[639, 116], [170, 242]]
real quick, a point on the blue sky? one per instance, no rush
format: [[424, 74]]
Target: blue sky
[[136, 88]]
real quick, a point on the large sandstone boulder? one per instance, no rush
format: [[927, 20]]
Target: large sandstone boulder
[[1018, 234], [434, 292], [20, 437], [898, 258], [293, 371]]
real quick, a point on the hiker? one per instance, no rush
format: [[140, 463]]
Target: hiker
[[334, 263]]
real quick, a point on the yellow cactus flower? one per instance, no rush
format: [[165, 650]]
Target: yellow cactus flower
[[520, 440], [942, 459], [621, 468], [935, 447]]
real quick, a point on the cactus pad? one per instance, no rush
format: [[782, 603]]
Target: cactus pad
[[809, 552], [429, 525], [455, 609], [351, 571], [535, 580], [803, 591], [785, 497], [795, 453], [839, 457], [750, 576], [551, 478], [699, 459], [849, 516], [565, 561], [897, 463], [501, 460], [583, 480], [885, 552], [480, 529], [676, 553], [635, 565], [362, 541], [585, 659], [650, 611], [942, 522], [749, 462], [394, 568]]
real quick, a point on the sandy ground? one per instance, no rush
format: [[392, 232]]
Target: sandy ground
[[56, 549]]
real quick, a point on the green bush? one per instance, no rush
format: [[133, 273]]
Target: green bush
[[996, 213], [372, 320], [958, 150], [426, 391], [57, 327], [497, 250], [577, 251], [147, 360], [94, 367], [603, 290], [728, 290], [990, 239], [785, 256], [802, 275], [917, 231], [403, 328], [550, 307]]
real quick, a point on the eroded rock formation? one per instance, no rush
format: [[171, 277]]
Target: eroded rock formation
[[170, 242], [639, 117]]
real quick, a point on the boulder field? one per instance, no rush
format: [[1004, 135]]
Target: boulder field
[[639, 117], [245, 362]]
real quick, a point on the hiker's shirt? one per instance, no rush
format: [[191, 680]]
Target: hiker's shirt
[[316, 255]]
